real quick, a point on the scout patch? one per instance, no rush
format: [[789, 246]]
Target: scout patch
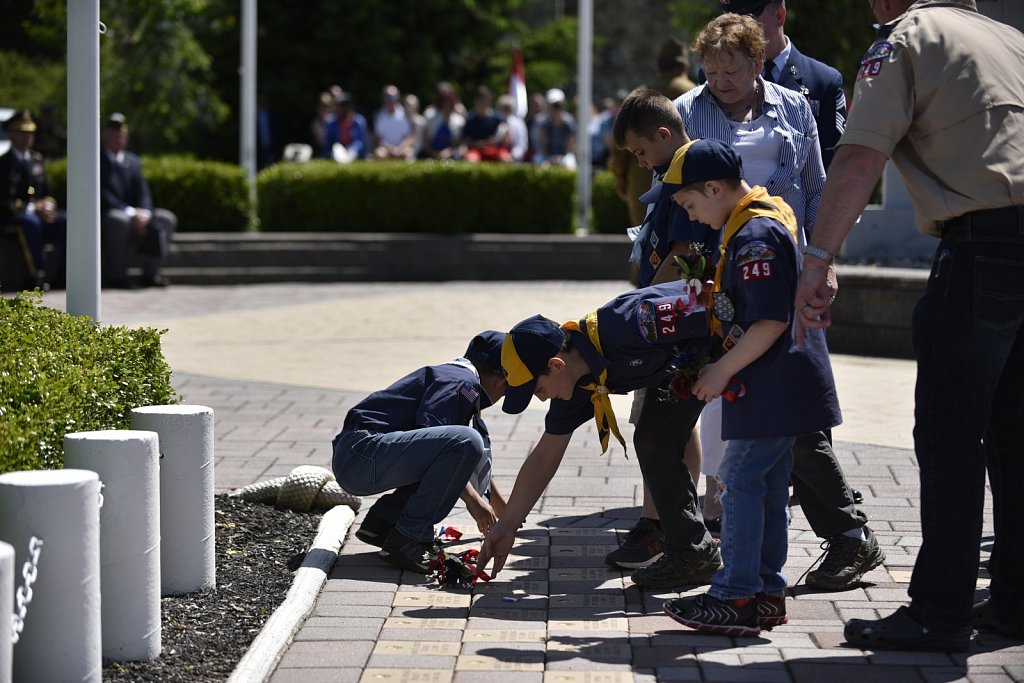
[[872, 61], [667, 318], [654, 259], [755, 261], [724, 310], [731, 339]]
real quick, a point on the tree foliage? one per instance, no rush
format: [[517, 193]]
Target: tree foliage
[[152, 67], [360, 45]]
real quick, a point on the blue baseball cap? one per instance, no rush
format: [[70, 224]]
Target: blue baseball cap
[[485, 348], [524, 355], [700, 161]]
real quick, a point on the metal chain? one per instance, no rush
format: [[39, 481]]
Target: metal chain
[[23, 597]]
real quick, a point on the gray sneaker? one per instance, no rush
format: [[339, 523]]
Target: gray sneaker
[[846, 561], [676, 569]]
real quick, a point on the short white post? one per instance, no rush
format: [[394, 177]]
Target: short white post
[[61, 639], [6, 608], [187, 553], [128, 465]]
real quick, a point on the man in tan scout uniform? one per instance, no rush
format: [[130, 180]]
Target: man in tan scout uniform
[[941, 92]]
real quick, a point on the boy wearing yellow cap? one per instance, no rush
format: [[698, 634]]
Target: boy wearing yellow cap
[[785, 390], [629, 343]]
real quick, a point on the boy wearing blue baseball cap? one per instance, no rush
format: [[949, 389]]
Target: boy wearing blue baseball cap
[[630, 343], [649, 126], [786, 390], [423, 437]]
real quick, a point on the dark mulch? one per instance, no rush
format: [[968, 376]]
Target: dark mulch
[[205, 634]]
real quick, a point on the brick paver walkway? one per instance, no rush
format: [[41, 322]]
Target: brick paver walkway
[[556, 613]]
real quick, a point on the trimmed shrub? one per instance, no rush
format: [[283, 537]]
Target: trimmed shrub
[[204, 195], [420, 197], [610, 213], [62, 374]]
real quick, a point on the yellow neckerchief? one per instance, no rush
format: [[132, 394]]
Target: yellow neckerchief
[[603, 414], [755, 204]]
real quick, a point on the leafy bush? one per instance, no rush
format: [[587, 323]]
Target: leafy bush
[[61, 374], [204, 195], [420, 197], [610, 213]]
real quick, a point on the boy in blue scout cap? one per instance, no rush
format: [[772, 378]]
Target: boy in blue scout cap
[[649, 127], [627, 344], [423, 437], [785, 390]]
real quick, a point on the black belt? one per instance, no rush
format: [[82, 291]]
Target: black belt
[[1007, 221]]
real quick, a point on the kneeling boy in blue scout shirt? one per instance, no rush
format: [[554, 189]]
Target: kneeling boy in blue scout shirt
[[414, 437], [784, 390], [627, 344]]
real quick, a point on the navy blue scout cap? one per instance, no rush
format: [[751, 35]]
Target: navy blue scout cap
[[486, 348], [527, 349], [751, 7], [700, 161]]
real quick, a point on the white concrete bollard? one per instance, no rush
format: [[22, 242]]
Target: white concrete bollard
[[187, 553], [129, 466], [61, 639], [6, 608]]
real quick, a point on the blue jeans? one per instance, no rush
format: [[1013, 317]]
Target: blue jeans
[[754, 529], [969, 414], [429, 468]]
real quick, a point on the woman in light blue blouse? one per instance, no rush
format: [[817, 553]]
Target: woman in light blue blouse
[[771, 127]]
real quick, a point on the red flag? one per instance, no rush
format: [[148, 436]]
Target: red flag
[[517, 83]]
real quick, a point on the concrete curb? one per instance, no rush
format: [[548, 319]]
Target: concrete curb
[[272, 641]]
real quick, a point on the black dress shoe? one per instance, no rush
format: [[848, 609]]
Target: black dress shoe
[[986, 617], [901, 631], [858, 497]]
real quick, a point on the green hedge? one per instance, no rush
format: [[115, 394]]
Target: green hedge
[[206, 196], [419, 197], [374, 197], [610, 213], [61, 374]]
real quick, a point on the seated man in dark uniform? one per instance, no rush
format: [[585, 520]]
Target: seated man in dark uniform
[[27, 202], [128, 218]]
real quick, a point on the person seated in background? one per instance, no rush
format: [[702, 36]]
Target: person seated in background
[[127, 217], [318, 126], [347, 136], [27, 202], [518, 136], [419, 122], [556, 133], [444, 127], [393, 132], [485, 137]]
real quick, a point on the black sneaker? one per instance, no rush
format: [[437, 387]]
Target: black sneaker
[[406, 553], [901, 631], [986, 617], [676, 569], [708, 614], [374, 528], [771, 610], [643, 545], [846, 560]]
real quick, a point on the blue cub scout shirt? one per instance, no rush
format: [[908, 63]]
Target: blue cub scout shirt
[[429, 397], [639, 332], [789, 390]]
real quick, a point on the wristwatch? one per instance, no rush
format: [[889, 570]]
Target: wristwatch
[[818, 252]]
